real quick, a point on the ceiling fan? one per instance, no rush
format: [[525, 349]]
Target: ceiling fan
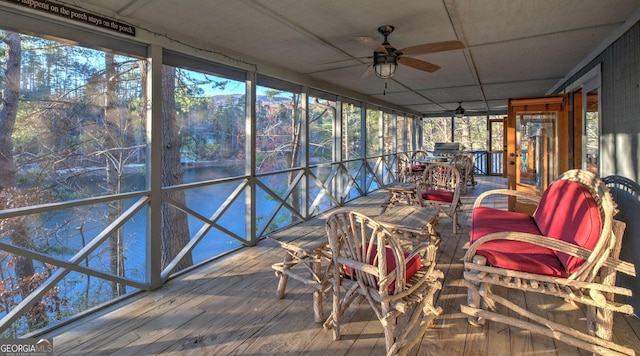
[[386, 58], [460, 111]]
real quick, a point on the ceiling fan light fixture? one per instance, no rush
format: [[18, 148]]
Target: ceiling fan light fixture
[[385, 65], [459, 110]]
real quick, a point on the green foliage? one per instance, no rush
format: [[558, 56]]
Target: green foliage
[[211, 150]]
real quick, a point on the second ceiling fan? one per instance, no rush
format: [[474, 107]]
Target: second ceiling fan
[[386, 58]]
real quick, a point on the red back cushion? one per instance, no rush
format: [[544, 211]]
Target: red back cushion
[[413, 265], [568, 212]]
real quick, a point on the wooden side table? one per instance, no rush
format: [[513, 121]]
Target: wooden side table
[[399, 192], [413, 222], [303, 261]]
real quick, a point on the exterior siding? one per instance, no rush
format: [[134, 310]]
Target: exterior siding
[[620, 136]]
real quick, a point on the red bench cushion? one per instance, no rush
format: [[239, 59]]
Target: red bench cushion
[[413, 265], [568, 212], [438, 195], [513, 255]]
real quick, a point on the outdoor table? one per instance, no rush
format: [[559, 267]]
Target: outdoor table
[[413, 222], [399, 192], [433, 159]]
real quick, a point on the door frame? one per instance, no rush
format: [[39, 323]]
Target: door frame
[[578, 90], [556, 102]]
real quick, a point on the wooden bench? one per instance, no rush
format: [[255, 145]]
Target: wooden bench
[[568, 248]]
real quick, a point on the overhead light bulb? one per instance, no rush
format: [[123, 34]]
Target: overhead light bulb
[[385, 65]]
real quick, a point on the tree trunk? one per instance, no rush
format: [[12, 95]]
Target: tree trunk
[[293, 157], [9, 109], [19, 235], [114, 166], [465, 135], [175, 229]]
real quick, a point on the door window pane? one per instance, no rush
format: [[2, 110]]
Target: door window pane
[[536, 145], [592, 131]]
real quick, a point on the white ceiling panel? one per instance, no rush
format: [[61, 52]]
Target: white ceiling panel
[[513, 48]]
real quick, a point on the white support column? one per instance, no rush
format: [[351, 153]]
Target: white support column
[[420, 132], [250, 158], [394, 133], [363, 146], [380, 172], [338, 149], [154, 170], [304, 146]]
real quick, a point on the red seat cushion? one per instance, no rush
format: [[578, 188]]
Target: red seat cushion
[[418, 167], [485, 220], [413, 265], [438, 195], [522, 256], [568, 212], [513, 255]]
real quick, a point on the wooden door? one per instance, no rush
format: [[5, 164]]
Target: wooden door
[[538, 145]]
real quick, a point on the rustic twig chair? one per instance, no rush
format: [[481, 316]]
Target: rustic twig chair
[[464, 165], [415, 166], [370, 263], [403, 164], [419, 155], [569, 248], [440, 187]]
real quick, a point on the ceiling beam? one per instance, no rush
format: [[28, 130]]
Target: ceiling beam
[[457, 28]]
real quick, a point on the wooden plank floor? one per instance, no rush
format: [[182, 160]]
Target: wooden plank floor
[[229, 307]]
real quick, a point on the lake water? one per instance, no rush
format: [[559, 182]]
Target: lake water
[[67, 231]]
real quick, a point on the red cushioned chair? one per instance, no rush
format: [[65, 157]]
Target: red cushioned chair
[[368, 262], [411, 169], [440, 187], [569, 248]]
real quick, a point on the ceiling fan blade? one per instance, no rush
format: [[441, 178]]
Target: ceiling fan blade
[[367, 73], [433, 47], [371, 43], [418, 64], [344, 60]]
